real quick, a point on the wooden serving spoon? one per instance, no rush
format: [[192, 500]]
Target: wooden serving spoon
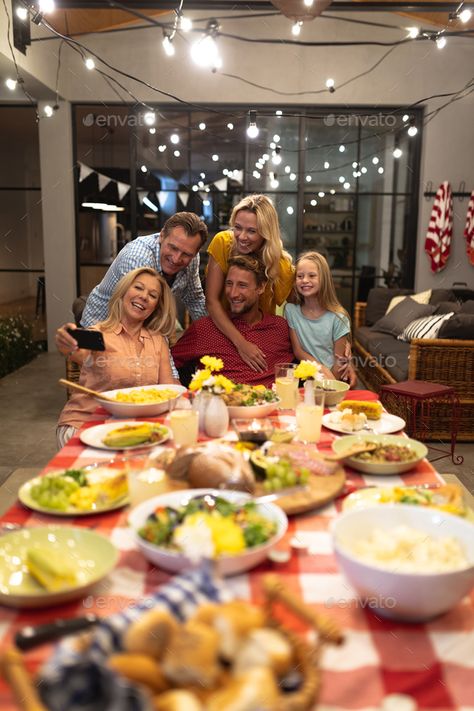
[[86, 391], [355, 449]]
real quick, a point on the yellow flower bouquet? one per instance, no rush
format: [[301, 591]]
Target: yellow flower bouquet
[[209, 379], [308, 370]]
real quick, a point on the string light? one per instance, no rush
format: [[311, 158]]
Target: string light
[[292, 177], [143, 168], [11, 84], [313, 202], [460, 14], [215, 157], [176, 154], [230, 126], [276, 138], [252, 130], [202, 126], [321, 194], [413, 32], [346, 186], [46, 6], [90, 64], [326, 165], [397, 153], [465, 15], [21, 13], [308, 178], [174, 138], [152, 131], [296, 28], [330, 84], [375, 160], [308, 3], [162, 148], [380, 170], [274, 181], [405, 118], [185, 24], [205, 52], [290, 210], [276, 158], [48, 110], [287, 169], [149, 118], [278, 112], [412, 131], [168, 45], [440, 41], [342, 148]]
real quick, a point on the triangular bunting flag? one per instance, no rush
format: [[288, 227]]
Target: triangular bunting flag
[[141, 195], [104, 180], [184, 197], [122, 189], [162, 197], [221, 184], [84, 172]]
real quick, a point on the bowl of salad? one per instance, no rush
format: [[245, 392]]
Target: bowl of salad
[[250, 401], [393, 454], [183, 528]]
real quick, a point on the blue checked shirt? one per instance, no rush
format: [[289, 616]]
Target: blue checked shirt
[[145, 252]]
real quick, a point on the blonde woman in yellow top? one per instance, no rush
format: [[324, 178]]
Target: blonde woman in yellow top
[[255, 230]]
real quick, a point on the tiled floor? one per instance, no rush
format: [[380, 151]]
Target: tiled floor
[[31, 400]]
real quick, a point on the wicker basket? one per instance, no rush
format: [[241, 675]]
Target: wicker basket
[[306, 654]]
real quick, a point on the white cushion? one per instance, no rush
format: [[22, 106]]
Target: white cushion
[[426, 327], [423, 297]]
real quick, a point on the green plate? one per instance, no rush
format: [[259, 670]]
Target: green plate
[[381, 468], [93, 557], [24, 494]]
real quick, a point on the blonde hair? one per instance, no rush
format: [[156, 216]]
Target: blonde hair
[[268, 227], [163, 318], [327, 293]]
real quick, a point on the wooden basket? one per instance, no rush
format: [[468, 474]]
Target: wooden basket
[[306, 654]]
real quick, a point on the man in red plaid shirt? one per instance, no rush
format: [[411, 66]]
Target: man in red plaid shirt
[[244, 283]]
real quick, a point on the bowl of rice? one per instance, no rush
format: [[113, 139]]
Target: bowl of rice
[[144, 401], [404, 562]]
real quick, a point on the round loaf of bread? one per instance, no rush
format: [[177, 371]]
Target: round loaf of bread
[[139, 669], [151, 633], [221, 468], [177, 700]]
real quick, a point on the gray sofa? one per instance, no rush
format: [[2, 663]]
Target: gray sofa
[[382, 358]]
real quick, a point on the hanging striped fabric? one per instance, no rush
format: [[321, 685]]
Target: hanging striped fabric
[[469, 229], [440, 228]]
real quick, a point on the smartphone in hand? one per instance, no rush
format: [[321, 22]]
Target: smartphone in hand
[[90, 340]]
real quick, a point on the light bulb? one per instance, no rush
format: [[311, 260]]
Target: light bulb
[[346, 186], [290, 210], [90, 64], [332, 191], [176, 153], [168, 46], [308, 3], [21, 13], [225, 171], [205, 53], [342, 179], [252, 131], [276, 158], [256, 174], [380, 170], [11, 84], [413, 32], [230, 126], [185, 24], [278, 112], [287, 169], [313, 203], [465, 15], [274, 183], [441, 42], [202, 126], [200, 184], [215, 157], [326, 164], [265, 157], [149, 118], [412, 131], [296, 29], [354, 165], [363, 169], [405, 118], [375, 160], [174, 138], [152, 130], [162, 148], [397, 153], [195, 188], [276, 138], [321, 194], [143, 168], [308, 178], [342, 148], [292, 177], [46, 6], [202, 175], [48, 111], [330, 85]]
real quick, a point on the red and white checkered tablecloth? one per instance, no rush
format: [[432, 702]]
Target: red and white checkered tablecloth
[[432, 662]]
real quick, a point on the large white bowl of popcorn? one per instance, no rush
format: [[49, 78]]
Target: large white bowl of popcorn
[[405, 562]]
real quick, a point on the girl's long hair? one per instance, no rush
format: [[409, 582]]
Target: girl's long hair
[[268, 227], [327, 293], [163, 318]]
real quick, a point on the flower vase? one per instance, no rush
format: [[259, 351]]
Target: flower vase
[[309, 392], [200, 403], [216, 418]]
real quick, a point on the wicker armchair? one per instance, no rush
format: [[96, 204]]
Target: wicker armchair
[[443, 361]]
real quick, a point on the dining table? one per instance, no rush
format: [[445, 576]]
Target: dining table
[[380, 662]]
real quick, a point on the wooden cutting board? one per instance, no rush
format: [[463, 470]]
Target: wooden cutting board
[[320, 490]]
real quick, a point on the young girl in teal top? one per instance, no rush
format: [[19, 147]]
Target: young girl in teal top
[[319, 325]]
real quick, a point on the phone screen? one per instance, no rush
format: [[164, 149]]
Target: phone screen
[[89, 340]]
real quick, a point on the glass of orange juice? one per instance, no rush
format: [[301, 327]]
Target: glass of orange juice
[[185, 427], [309, 418], [286, 385]]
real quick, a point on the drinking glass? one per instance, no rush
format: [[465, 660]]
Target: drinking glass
[[185, 427], [309, 418], [286, 385]]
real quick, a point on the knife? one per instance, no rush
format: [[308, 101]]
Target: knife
[[30, 637]]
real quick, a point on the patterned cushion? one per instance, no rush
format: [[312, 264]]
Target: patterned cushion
[[427, 327]]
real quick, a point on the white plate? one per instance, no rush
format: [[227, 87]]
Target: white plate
[[386, 425], [92, 555], [248, 413], [146, 409], [225, 564], [94, 436]]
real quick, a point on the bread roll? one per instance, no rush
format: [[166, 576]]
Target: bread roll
[[264, 647], [177, 700], [139, 669], [151, 633], [233, 621], [255, 690], [192, 656]]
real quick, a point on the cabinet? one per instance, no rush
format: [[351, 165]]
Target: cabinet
[[329, 228]]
